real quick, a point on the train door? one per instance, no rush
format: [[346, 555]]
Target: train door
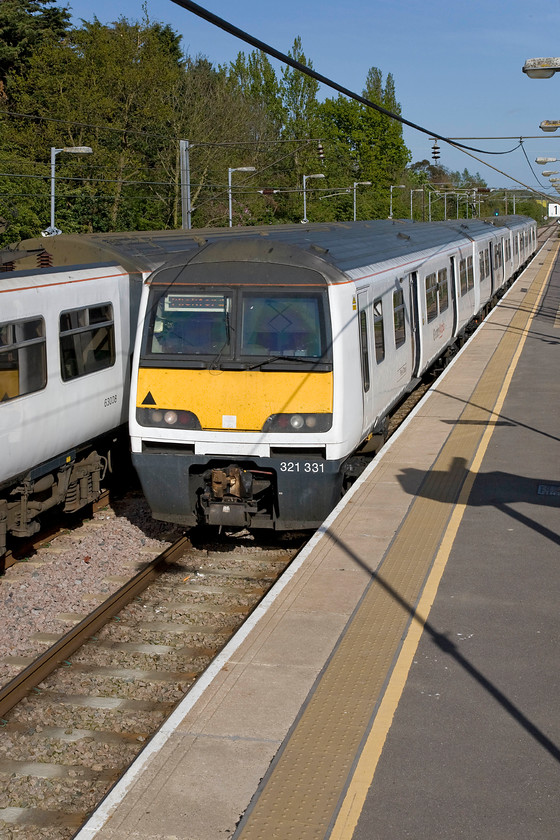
[[415, 330], [364, 326], [454, 288], [492, 271]]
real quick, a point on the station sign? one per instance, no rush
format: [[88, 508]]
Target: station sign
[[554, 211]]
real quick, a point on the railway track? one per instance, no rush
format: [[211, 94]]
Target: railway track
[[75, 717]]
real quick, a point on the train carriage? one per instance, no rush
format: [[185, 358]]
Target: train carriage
[[269, 357]]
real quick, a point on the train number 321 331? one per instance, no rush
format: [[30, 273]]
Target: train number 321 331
[[301, 466]]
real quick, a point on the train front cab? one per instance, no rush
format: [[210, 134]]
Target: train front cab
[[231, 415]]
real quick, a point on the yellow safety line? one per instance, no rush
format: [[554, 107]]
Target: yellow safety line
[[367, 764]]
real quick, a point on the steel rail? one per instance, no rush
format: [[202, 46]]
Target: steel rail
[[40, 668]]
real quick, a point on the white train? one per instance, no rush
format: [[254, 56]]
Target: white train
[[65, 343], [269, 357]]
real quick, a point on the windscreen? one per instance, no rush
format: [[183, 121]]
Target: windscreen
[[283, 325], [189, 323], [242, 325]]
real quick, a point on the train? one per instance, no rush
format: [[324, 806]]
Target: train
[[268, 359], [65, 341], [249, 372]]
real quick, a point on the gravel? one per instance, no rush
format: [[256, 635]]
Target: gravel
[[65, 579]]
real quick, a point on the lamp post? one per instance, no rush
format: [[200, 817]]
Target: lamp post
[[52, 230], [359, 184], [306, 178], [394, 187], [235, 169]]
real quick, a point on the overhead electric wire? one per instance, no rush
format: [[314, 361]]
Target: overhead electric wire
[[221, 23], [531, 168], [501, 172], [101, 127], [297, 65]]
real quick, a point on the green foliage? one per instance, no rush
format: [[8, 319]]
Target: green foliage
[[24, 26], [129, 92]]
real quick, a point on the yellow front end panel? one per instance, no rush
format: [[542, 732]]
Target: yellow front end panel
[[243, 400]]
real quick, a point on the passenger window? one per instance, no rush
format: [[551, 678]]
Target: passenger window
[[378, 330], [487, 263], [443, 290], [364, 352], [481, 265], [470, 273], [431, 297], [399, 319], [463, 277], [87, 341], [23, 358]]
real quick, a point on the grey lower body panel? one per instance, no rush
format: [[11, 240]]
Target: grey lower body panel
[[288, 492]]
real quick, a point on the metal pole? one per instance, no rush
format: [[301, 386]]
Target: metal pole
[[54, 152], [229, 197], [186, 212], [304, 200], [355, 202]]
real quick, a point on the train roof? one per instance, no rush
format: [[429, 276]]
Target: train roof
[[349, 245]]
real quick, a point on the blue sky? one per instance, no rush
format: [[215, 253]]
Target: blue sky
[[456, 65]]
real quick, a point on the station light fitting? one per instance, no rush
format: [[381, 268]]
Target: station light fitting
[[541, 68], [549, 125]]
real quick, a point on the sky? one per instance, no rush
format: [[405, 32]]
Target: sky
[[457, 66]]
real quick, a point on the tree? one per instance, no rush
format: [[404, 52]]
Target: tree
[[256, 80], [364, 145], [110, 89], [24, 26]]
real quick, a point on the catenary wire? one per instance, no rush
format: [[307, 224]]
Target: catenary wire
[[297, 65]]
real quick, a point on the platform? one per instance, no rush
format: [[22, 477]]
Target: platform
[[401, 680]]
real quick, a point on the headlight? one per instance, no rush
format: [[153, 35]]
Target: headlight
[[167, 418], [298, 423]]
